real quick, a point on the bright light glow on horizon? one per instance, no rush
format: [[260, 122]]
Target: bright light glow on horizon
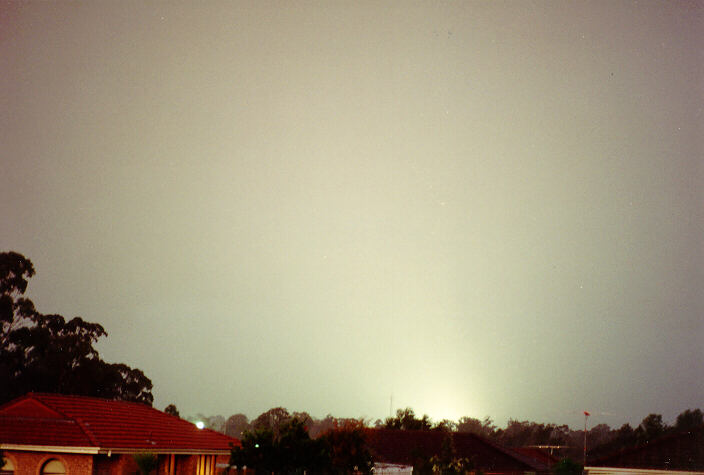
[[440, 399]]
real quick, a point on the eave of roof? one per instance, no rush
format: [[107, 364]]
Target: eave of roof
[[50, 448], [164, 451], [105, 450]]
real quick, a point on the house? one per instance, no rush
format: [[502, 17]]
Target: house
[[541, 453], [415, 447], [683, 451], [59, 434]]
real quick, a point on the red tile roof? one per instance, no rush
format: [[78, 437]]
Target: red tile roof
[[537, 453], [78, 421], [39, 431]]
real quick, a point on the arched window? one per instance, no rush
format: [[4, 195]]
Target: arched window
[[7, 467], [53, 467]]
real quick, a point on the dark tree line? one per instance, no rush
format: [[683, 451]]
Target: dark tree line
[[48, 353], [601, 439], [276, 426], [278, 442], [650, 428], [237, 424]]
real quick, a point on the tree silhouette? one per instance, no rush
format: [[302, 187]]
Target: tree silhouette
[[47, 353], [406, 420], [689, 419], [651, 427], [236, 424]]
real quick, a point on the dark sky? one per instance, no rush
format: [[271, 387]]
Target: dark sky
[[478, 208]]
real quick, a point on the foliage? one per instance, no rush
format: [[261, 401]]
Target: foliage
[[47, 353], [522, 433], [445, 425], [146, 462], [256, 451], [689, 419], [216, 423], [236, 425], [288, 448], [651, 427], [406, 420], [567, 467], [447, 462], [623, 437], [485, 428], [601, 439], [347, 450], [171, 409], [272, 419]]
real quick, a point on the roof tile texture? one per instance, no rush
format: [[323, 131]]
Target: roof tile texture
[[93, 422]]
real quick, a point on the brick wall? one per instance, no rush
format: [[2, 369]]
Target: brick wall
[[221, 459], [122, 464], [186, 464], [30, 463]]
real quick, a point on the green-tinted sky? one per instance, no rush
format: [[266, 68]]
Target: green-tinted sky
[[480, 208]]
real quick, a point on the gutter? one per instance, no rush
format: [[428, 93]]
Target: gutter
[[51, 448], [109, 451], [163, 451]]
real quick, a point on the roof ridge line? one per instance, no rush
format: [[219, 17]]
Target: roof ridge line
[[86, 431], [38, 398], [508, 451], [33, 397]]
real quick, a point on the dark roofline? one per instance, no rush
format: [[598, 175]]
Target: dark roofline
[[530, 463]]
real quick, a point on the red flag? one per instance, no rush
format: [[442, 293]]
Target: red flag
[[586, 413]]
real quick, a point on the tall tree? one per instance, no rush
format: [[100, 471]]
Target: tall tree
[[689, 419], [406, 420], [289, 450], [484, 428], [236, 424], [47, 353], [272, 419], [347, 448], [651, 427]]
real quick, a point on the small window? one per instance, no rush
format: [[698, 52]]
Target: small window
[[8, 468], [53, 467]]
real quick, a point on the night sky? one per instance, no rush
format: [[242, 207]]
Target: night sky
[[469, 208]]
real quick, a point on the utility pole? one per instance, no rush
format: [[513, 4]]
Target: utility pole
[[586, 415]]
